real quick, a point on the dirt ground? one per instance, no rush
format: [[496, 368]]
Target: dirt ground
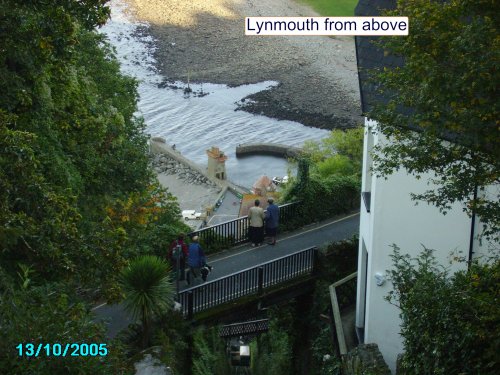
[[204, 41]]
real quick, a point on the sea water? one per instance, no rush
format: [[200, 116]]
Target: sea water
[[195, 123]]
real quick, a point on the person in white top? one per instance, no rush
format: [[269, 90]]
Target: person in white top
[[256, 218]]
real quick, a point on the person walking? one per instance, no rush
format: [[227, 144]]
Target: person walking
[[196, 260], [177, 255], [256, 228], [272, 220]]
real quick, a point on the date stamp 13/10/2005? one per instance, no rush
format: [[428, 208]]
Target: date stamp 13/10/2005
[[62, 350]]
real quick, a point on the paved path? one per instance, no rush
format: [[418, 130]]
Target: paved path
[[243, 257]]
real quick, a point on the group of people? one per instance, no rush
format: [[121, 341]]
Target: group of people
[[258, 217], [180, 254]]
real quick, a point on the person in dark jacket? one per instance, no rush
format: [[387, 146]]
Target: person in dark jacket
[[196, 260], [272, 220], [179, 249]]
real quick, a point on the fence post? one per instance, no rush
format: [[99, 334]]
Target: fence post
[[261, 280], [315, 267], [190, 305]]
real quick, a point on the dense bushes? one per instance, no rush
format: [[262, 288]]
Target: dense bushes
[[450, 323], [272, 351], [77, 198], [329, 176], [209, 356], [299, 341]]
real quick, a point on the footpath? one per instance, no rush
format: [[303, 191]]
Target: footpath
[[245, 256]]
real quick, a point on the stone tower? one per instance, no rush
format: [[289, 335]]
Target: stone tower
[[216, 163]]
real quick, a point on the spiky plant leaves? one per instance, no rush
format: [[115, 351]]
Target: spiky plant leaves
[[147, 287]]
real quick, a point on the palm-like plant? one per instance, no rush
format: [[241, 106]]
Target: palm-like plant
[[148, 290]]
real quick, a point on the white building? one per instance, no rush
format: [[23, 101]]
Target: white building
[[389, 216]]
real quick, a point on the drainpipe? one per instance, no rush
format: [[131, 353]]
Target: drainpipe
[[472, 227], [361, 96]]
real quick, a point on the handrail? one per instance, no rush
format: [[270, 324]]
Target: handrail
[[190, 234], [336, 311], [235, 231], [252, 280], [249, 268]]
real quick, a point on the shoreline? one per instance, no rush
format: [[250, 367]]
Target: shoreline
[[204, 42]]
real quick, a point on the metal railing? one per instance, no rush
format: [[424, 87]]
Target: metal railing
[[246, 282], [235, 232]]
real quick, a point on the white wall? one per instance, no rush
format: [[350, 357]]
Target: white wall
[[396, 219]]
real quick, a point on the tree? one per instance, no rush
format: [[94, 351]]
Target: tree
[[328, 176], [347, 143], [443, 109], [450, 322], [77, 196], [148, 290], [47, 314]]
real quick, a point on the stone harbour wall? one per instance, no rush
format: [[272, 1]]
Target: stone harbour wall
[[162, 163], [170, 161], [267, 148]]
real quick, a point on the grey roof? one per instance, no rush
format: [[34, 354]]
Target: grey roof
[[369, 56]]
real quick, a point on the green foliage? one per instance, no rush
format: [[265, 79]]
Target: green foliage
[[272, 351], [336, 165], [323, 198], [450, 323], [346, 143], [77, 197], [151, 224], [209, 355], [171, 334], [35, 221], [48, 315], [212, 242], [338, 260], [337, 8], [328, 181], [148, 290], [448, 85], [325, 362]]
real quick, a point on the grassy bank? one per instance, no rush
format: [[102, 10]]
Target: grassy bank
[[336, 8]]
